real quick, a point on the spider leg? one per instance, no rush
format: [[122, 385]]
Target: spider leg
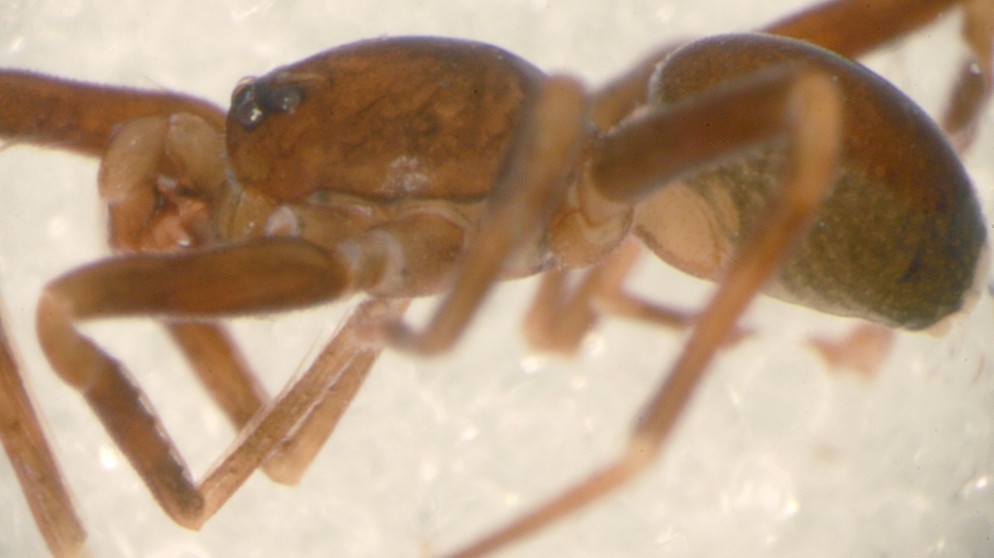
[[77, 117], [41, 480], [81, 117], [268, 275], [223, 371], [293, 455], [290, 431], [221, 368], [971, 94], [533, 182], [812, 104], [561, 316], [852, 28], [188, 149], [615, 101]]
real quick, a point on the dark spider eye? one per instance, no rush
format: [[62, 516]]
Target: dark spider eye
[[284, 98], [253, 101], [245, 107]]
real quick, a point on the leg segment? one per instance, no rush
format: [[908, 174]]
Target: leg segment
[[263, 276], [221, 369], [973, 90], [312, 404], [32, 459], [560, 317], [534, 179], [813, 107], [288, 461], [48, 111], [850, 28]]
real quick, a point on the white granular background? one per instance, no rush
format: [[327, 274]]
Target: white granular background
[[777, 456]]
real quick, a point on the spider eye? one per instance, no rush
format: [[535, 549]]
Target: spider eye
[[245, 107], [284, 98], [254, 100]]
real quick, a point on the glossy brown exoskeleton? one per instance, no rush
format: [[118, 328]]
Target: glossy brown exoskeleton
[[403, 167]]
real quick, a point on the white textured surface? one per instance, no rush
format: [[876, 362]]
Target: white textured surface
[[777, 457]]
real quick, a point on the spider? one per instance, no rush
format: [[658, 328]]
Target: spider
[[178, 219]]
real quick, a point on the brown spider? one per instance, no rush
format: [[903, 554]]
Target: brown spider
[[186, 203]]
